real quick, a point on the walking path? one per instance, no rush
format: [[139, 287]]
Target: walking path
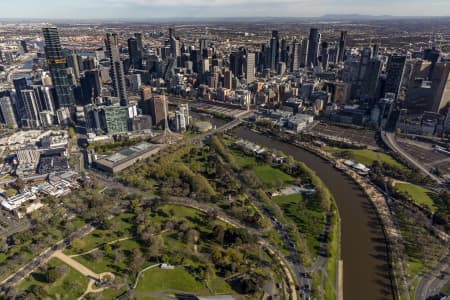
[[97, 248], [93, 277]]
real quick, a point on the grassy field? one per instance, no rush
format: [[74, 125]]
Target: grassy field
[[121, 227], [367, 157], [242, 160], [309, 220], [269, 175], [418, 194], [99, 262], [70, 286], [155, 280]]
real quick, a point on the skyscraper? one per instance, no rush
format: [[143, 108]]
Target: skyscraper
[[295, 60], [20, 85], [325, 56], [7, 110], [304, 53], [237, 63], [370, 83], [91, 86], [395, 70], [342, 45], [31, 105], [250, 67], [114, 119], [228, 77], [366, 55], [174, 43], [158, 110], [57, 65], [274, 50], [73, 61], [116, 71], [133, 52], [313, 47]]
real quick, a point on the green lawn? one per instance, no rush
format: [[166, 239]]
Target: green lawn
[[100, 262], [418, 194], [269, 175], [70, 286], [308, 218], [155, 280], [367, 157], [243, 160], [121, 227]]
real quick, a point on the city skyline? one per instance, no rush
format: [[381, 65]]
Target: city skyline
[[146, 9]]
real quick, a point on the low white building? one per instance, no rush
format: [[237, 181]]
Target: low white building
[[299, 122]]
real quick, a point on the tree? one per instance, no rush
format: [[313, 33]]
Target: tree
[[191, 236], [3, 245], [219, 234], [156, 247], [108, 249], [136, 260], [72, 132], [51, 275]]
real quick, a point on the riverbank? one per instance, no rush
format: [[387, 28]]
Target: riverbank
[[359, 219]]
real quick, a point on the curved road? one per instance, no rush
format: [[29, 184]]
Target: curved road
[[431, 284], [389, 139]]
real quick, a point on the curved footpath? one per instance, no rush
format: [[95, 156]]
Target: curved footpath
[[363, 245]]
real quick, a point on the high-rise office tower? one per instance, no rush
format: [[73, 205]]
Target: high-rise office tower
[[313, 47], [20, 85], [228, 77], [394, 70], [369, 92], [203, 45], [7, 110], [376, 50], [158, 110], [116, 71], [250, 67], [324, 57], [274, 50], [91, 86], [140, 45], [45, 98], [24, 46], [31, 105], [133, 52], [428, 87], [114, 119], [366, 55], [304, 53], [237, 63], [57, 65], [342, 45], [295, 60], [174, 43], [284, 53], [74, 63]]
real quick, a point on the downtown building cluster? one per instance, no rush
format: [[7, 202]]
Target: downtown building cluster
[[122, 85]]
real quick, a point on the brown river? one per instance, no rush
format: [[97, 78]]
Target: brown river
[[363, 245]]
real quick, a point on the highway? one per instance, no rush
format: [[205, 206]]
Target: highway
[[389, 139], [431, 284]]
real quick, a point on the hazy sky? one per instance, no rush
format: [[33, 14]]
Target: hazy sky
[[150, 9]]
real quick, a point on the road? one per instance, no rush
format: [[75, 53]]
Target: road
[[434, 281], [293, 259], [42, 258], [389, 140]]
